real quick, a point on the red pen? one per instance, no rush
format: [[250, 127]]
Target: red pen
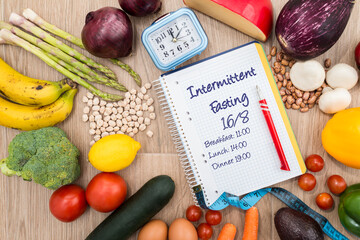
[[270, 123]]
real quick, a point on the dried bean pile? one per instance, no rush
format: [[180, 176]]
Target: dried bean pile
[[129, 116], [291, 96]]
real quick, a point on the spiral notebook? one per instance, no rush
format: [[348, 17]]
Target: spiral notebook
[[212, 109]]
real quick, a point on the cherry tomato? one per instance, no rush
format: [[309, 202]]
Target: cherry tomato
[[204, 231], [213, 217], [193, 213], [106, 192], [307, 182], [68, 203], [336, 184], [324, 201], [314, 163]]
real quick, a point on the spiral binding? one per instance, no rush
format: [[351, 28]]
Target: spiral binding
[[190, 168]]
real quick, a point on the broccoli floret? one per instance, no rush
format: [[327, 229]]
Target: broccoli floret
[[45, 156]]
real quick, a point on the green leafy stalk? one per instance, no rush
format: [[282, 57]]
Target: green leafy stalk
[[32, 28], [90, 75], [33, 17], [11, 38], [7, 171]]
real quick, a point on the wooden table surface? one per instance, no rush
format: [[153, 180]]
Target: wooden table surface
[[24, 206]]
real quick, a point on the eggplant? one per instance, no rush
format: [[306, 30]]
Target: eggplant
[[306, 29]]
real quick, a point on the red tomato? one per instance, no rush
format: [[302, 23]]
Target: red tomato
[[324, 201], [314, 163], [307, 182], [213, 217], [204, 231], [336, 184], [106, 192], [68, 203], [193, 213]]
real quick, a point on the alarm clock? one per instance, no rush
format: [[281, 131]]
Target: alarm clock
[[174, 38]]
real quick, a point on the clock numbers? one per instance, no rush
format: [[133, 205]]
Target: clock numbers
[[170, 32], [175, 39]]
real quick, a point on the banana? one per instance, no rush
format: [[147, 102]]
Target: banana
[[29, 91], [27, 118]]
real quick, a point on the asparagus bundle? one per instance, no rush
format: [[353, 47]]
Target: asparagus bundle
[[33, 17], [19, 21], [7, 37], [72, 65]]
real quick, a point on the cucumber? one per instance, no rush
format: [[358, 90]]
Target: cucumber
[[136, 211]]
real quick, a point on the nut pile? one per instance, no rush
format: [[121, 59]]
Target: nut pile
[[129, 116], [291, 96]]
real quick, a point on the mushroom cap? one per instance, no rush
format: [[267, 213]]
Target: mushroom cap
[[342, 75], [335, 100], [308, 75]]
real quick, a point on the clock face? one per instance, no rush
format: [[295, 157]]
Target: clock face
[[175, 39]]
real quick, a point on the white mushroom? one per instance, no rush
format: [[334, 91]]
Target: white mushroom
[[326, 89], [335, 100], [307, 76], [342, 75]]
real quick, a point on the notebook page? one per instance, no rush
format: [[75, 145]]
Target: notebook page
[[216, 103]]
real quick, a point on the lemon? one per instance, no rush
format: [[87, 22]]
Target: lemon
[[113, 153]]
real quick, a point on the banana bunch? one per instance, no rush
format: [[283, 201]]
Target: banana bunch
[[29, 104]]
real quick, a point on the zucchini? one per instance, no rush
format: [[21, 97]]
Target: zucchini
[[136, 211]]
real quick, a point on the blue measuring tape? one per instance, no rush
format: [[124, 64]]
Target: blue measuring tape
[[285, 196]]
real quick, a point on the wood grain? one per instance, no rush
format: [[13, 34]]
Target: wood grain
[[24, 206]]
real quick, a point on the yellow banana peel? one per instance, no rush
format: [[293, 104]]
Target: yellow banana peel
[[29, 91], [27, 118]]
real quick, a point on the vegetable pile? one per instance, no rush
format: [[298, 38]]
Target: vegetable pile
[[136, 211], [45, 156], [305, 29], [60, 56]]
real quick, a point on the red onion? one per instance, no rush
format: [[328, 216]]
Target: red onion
[[357, 55], [140, 8], [108, 33]]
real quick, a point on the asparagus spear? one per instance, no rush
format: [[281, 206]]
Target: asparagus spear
[[33, 17], [32, 28], [11, 38], [68, 66], [90, 75], [128, 69]]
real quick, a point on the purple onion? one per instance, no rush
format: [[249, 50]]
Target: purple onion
[[108, 33], [307, 28], [140, 8]]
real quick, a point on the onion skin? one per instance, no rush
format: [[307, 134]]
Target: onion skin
[[140, 8], [108, 33], [306, 29], [357, 55]]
